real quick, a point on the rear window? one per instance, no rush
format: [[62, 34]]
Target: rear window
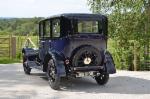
[[88, 27]]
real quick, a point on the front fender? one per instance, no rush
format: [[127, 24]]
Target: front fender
[[59, 62], [30, 53], [109, 63]]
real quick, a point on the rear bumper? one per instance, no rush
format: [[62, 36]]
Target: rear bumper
[[87, 68]]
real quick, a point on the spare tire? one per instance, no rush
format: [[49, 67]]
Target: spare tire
[[86, 56]]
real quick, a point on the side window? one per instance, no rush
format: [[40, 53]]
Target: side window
[[47, 29], [41, 28], [56, 28], [88, 27]]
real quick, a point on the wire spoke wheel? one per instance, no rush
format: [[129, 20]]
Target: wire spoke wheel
[[87, 56], [26, 68], [51, 70], [102, 79], [53, 78]]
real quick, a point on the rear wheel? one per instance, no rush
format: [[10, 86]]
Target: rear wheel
[[53, 78], [26, 68], [102, 79]]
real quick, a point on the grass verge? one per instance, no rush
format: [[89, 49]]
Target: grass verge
[[9, 60]]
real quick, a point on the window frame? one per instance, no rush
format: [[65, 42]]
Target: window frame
[[52, 27], [42, 30], [47, 36], [81, 22], [75, 26]]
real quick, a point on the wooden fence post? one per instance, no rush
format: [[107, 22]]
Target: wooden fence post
[[13, 47]]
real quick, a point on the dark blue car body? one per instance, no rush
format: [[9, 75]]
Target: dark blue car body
[[63, 49]]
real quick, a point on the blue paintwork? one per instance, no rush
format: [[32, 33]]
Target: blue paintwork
[[109, 63], [64, 45], [59, 63], [60, 44], [71, 41], [62, 48]]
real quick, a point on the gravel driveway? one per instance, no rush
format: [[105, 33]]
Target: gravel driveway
[[14, 84]]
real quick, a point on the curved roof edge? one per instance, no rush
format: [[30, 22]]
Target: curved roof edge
[[77, 16]]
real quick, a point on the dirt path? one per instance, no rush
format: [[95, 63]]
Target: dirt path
[[14, 84]]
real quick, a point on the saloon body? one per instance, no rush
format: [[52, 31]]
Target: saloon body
[[71, 45]]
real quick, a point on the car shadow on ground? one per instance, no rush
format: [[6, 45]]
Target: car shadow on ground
[[118, 84]]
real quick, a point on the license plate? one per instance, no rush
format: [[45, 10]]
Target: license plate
[[83, 74]]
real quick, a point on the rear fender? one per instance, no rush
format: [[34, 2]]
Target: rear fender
[[59, 62], [109, 63]]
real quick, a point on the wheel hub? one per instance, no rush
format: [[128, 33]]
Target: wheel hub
[[87, 60], [87, 56]]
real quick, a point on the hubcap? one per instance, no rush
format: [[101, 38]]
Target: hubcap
[[87, 60]]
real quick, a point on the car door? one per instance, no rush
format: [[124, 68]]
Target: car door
[[59, 40], [45, 38], [56, 42]]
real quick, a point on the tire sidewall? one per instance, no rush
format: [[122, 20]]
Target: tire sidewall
[[55, 84], [83, 49], [102, 81], [26, 68]]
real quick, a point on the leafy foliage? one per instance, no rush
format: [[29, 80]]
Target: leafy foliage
[[129, 27], [19, 26]]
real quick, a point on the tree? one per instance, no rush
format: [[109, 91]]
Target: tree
[[128, 25], [19, 26]]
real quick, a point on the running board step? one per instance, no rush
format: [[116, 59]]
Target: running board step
[[34, 64]]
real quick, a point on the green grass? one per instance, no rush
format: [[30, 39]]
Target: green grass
[[8, 60]]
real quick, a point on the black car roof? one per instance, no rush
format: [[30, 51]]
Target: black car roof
[[78, 16]]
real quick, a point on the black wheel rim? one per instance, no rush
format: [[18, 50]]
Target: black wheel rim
[[102, 76], [25, 67], [87, 55], [51, 71]]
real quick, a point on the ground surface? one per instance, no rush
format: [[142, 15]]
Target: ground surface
[[14, 84]]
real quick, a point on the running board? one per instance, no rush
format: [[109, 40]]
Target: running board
[[34, 64]]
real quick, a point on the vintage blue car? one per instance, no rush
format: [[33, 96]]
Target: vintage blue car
[[71, 45]]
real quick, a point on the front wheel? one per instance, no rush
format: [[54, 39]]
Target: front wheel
[[102, 79], [26, 68], [53, 78]]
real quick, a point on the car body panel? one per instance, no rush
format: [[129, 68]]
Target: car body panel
[[64, 47]]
